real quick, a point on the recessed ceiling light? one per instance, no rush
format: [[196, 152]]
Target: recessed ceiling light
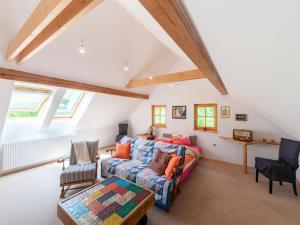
[[82, 48], [126, 65], [150, 78]]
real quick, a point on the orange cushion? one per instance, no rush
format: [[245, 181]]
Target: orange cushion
[[122, 151], [174, 162]]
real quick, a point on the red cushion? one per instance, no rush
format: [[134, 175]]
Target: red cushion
[[166, 140], [182, 141], [198, 148], [187, 159]]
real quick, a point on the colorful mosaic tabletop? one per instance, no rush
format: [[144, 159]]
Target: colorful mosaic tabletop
[[108, 202]]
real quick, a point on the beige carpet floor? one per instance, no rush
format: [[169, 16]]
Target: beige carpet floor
[[215, 193]]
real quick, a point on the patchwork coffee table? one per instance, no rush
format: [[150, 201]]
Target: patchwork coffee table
[[113, 201]]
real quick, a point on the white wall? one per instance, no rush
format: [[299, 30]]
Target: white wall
[[201, 91], [38, 149]]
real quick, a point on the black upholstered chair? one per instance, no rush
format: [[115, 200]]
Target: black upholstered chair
[[123, 130], [283, 169]]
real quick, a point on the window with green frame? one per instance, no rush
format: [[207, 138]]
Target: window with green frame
[[206, 117], [27, 100], [159, 116]]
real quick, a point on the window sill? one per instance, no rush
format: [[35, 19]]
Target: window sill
[[159, 126], [207, 131]]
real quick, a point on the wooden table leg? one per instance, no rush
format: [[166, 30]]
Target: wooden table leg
[[245, 166]]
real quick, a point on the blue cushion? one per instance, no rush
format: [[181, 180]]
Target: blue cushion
[[143, 150]]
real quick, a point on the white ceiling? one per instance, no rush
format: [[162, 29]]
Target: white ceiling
[[253, 44], [112, 36]]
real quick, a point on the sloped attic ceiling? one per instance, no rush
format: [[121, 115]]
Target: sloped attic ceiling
[[255, 47], [112, 36]]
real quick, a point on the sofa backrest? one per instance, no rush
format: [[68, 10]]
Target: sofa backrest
[[145, 150]]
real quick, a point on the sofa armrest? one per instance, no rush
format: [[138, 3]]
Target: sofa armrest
[[177, 171]]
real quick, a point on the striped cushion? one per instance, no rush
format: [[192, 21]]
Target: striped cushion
[[75, 173]]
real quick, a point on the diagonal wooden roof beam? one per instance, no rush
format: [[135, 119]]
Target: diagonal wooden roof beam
[[75, 10], [17, 75], [173, 18], [43, 14], [164, 79]]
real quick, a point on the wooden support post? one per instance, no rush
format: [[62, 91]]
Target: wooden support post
[[245, 163]]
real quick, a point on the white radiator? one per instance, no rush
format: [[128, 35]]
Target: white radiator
[[21, 154]]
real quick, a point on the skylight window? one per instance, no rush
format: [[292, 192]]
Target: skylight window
[[69, 104], [27, 100]]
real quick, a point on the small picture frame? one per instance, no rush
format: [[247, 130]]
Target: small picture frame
[[225, 111], [179, 112], [241, 117]]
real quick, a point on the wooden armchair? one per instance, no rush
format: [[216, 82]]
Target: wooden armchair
[[79, 173]]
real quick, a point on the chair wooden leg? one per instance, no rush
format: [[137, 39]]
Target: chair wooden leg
[[270, 186], [280, 182], [62, 193], [256, 176], [295, 188]]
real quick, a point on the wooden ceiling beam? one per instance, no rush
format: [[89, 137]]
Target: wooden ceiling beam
[[173, 18], [43, 14], [164, 79], [75, 10], [16, 75]]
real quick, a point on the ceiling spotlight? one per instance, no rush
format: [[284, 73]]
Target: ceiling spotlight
[[126, 65], [150, 78], [82, 48]]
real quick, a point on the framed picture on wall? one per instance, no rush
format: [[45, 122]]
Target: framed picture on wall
[[179, 112], [225, 112]]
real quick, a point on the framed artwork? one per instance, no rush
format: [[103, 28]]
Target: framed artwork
[[225, 112], [241, 117], [179, 112]]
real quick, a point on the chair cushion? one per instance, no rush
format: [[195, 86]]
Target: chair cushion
[[159, 184], [76, 173], [130, 169], [275, 169], [108, 166]]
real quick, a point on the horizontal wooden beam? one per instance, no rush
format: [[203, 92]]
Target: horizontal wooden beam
[[75, 10], [174, 19], [17, 75], [43, 14], [164, 79]]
